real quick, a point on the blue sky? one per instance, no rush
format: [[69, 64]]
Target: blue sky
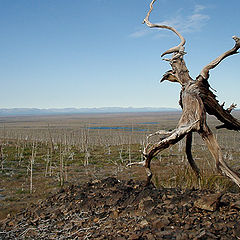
[[97, 53]]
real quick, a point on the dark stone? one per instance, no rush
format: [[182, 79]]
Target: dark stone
[[210, 202], [112, 209]]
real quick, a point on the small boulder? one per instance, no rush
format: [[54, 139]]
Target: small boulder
[[209, 202]]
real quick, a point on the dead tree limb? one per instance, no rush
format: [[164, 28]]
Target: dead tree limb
[[189, 155], [205, 71], [180, 47], [196, 99]]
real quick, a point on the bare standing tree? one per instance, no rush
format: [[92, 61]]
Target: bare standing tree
[[196, 99], [32, 159]]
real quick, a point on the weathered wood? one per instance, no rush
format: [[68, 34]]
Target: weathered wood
[[189, 155], [196, 99], [205, 71]]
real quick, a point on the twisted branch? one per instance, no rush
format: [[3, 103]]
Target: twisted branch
[[205, 71], [178, 48]]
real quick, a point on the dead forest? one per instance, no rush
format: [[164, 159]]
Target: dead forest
[[75, 176]]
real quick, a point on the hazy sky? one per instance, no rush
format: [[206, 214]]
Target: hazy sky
[[97, 53]]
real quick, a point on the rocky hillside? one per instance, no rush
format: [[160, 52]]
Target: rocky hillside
[[113, 209]]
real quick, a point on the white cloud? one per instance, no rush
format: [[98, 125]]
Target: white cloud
[[194, 22], [183, 23], [139, 33], [199, 8]]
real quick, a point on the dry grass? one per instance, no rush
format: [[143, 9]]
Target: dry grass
[[76, 148]]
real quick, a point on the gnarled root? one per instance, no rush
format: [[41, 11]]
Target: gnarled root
[[147, 168]]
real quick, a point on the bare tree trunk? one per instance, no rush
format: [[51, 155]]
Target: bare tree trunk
[[61, 167], [2, 156], [47, 169], [51, 139], [215, 150], [189, 154], [32, 158], [196, 99]]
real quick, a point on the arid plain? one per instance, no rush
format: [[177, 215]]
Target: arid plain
[[42, 154]]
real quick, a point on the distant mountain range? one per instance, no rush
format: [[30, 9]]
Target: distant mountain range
[[54, 111]]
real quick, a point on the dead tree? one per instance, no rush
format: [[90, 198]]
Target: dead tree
[[196, 99]]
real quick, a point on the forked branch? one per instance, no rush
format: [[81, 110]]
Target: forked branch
[[205, 71], [178, 48]]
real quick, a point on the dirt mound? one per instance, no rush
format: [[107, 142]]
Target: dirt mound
[[113, 209]]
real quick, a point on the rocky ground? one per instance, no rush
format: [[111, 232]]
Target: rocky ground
[[113, 209]]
